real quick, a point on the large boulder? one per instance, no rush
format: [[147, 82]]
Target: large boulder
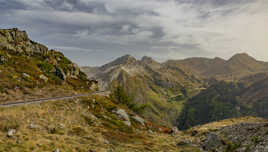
[[124, 116], [11, 132]]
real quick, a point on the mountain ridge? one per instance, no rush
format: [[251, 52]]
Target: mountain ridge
[[175, 81]]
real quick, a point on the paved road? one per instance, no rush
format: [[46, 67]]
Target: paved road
[[36, 101]]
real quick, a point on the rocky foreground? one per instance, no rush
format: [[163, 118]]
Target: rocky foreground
[[246, 134]]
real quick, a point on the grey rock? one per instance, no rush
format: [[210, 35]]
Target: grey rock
[[33, 126], [43, 77], [139, 119], [123, 115], [11, 132], [25, 75], [62, 126], [3, 59], [212, 142], [150, 131], [175, 130]]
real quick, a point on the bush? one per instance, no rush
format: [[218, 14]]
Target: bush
[[46, 67]]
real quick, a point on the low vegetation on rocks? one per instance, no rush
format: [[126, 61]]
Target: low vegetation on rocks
[[26, 67]]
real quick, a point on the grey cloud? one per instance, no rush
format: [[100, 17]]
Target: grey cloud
[[93, 32]]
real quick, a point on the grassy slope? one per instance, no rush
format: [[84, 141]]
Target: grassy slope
[[69, 126], [14, 85], [161, 106]]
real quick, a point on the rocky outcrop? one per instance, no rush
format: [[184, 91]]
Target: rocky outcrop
[[40, 63], [19, 42], [244, 137]]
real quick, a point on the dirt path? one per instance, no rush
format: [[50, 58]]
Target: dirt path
[[36, 101]]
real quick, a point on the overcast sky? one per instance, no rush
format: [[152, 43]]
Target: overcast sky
[[93, 32]]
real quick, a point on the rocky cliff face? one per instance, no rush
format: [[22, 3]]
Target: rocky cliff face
[[19, 42]]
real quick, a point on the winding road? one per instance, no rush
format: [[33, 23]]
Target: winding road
[[41, 100]]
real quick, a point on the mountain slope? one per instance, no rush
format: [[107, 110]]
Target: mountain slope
[[29, 69], [160, 88], [225, 100], [166, 87], [83, 124]]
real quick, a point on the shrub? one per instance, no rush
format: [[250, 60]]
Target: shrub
[[45, 67]]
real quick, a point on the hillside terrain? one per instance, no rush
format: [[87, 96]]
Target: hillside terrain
[[197, 90], [96, 124], [225, 100], [84, 124], [30, 70], [162, 89]]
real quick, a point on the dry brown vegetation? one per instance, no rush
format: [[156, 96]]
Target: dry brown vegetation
[[77, 125]]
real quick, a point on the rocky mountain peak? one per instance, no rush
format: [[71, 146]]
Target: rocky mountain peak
[[147, 59], [126, 59]]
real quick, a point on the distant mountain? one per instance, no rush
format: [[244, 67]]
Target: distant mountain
[[30, 70], [167, 86], [237, 67], [160, 87]]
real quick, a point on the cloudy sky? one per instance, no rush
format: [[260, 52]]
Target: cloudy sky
[[93, 32]]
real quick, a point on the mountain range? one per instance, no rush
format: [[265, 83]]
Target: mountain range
[[168, 88]]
